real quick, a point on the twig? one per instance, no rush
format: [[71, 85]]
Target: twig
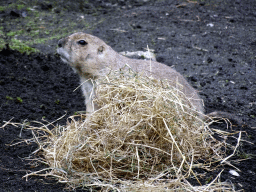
[[214, 180], [238, 141], [7, 123], [138, 157]]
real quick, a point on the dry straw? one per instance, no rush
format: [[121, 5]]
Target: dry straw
[[146, 136]]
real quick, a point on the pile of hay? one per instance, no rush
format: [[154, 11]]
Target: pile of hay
[[146, 135]]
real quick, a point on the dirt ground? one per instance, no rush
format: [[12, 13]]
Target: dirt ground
[[211, 42]]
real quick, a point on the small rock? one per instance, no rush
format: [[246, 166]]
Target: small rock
[[24, 14], [204, 34], [209, 60], [15, 13], [57, 10], [237, 1], [231, 20], [210, 25], [192, 78], [160, 59], [233, 172], [46, 6], [173, 33]]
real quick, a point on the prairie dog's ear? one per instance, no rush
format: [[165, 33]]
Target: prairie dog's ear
[[101, 49]]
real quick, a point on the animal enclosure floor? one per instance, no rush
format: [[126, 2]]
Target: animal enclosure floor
[[212, 43]]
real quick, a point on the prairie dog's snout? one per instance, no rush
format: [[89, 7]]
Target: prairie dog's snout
[[64, 55], [62, 42]]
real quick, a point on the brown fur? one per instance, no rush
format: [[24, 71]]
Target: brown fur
[[96, 58]]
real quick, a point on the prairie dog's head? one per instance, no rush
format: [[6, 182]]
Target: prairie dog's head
[[85, 53]]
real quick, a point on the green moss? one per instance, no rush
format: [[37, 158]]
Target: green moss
[[42, 27], [43, 40], [35, 33], [57, 101], [12, 33], [16, 44], [244, 155], [2, 8], [12, 6], [19, 100], [2, 43], [38, 41], [19, 7], [9, 98], [7, 7]]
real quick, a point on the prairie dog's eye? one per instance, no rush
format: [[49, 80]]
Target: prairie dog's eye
[[82, 42]]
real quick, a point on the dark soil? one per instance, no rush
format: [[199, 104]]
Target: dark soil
[[212, 43]]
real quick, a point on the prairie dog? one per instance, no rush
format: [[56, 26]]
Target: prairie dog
[[91, 57]]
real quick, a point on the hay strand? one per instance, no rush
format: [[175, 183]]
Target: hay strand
[[146, 134]]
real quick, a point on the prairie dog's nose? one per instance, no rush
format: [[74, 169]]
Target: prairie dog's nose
[[61, 42]]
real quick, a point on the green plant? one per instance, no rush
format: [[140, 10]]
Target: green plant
[[19, 100], [11, 33], [16, 44], [41, 106], [209, 179], [2, 8], [2, 43], [19, 7], [57, 101], [244, 155], [9, 98]]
